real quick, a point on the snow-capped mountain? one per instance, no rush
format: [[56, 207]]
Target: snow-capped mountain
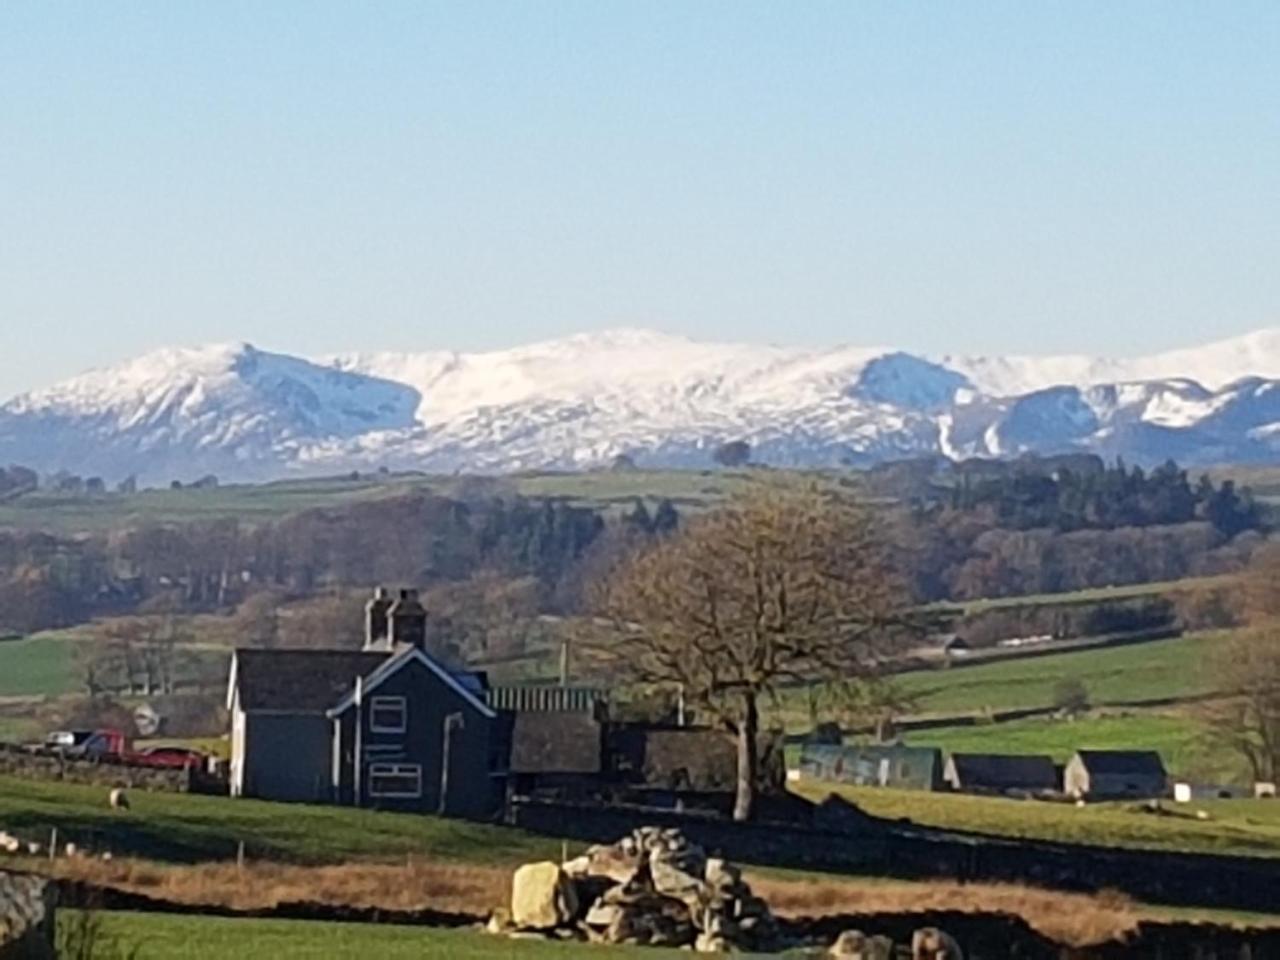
[[243, 413]]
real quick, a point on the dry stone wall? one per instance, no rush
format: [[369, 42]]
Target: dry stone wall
[[21, 762], [27, 917], [856, 843]]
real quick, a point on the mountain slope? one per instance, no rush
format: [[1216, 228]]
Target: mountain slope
[[243, 413]]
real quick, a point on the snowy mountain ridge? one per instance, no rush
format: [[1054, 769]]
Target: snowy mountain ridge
[[665, 400]]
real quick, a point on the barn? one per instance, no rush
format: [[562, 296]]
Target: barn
[[1115, 774]]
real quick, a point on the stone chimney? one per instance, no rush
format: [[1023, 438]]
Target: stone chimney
[[408, 621], [375, 619]]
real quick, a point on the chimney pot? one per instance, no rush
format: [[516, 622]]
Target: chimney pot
[[375, 618], [408, 621]]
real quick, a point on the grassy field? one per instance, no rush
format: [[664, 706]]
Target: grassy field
[[1244, 827], [1181, 741], [184, 828], [1162, 668], [1092, 595], [74, 513], [189, 829], [162, 936], [36, 666], [1112, 676]]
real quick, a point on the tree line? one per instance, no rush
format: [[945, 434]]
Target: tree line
[[49, 580]]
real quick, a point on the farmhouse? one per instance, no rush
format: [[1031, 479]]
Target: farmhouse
[[389, 726], [386, 726], [1000, 773], [1115, 774]]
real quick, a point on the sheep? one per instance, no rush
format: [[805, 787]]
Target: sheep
[[119, 799], [856, 945], [930, 943]]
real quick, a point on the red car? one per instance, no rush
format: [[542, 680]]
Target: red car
[[170, 757]]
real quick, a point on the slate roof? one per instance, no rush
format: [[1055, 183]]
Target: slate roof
[[999, 771], [302, 681], [1122, 762], [555, 742], [691, 758]]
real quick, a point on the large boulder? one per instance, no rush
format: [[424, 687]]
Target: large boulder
[[679, 873], [542, 897]]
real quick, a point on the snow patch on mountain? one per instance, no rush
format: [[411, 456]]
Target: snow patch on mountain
[[668, 400]]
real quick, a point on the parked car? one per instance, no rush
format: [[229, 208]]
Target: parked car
[[171, 757], [63, 739]]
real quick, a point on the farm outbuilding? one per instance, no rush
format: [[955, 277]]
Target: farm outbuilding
[[1000, 773], [1115, 774], [881, 765]]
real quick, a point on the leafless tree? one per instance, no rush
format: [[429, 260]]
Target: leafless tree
[[866, 702], [1246, 665], [783, 585]]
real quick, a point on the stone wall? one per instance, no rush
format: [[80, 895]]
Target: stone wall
[[21, 762], [995, 936], [27, 917], [861, 844]]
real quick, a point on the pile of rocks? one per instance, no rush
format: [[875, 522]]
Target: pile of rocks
[[652, 887]]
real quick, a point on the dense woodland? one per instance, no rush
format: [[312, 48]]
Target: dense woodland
[[997, 529], [962, 531]]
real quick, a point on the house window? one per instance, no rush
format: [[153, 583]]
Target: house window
[[395, 780], [388, 715]]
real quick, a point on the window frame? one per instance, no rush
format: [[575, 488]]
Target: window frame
[[395, 770], [388, 703]]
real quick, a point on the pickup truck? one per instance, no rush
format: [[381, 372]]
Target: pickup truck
[[111, 744]]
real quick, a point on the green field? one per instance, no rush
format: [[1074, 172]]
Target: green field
[[157, 936], [1242, 827], [1141, 671], [75, 513], [44, 665], [187, 828], [36, 666], [1126, 591], [1161, 669], [1180, 740]]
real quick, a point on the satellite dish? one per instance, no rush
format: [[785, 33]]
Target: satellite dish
[[146, 720]]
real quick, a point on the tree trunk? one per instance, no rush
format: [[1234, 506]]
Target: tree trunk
[[748, 758]]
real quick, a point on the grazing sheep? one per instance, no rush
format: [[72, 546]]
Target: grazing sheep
[[72, 851], [930, 943], [9, 843], [33, 848], [856, 945], [119, 799]]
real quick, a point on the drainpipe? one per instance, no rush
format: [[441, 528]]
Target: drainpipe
[[357, 791], [452, 723]]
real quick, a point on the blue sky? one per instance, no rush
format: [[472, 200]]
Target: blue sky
[[990, 176]]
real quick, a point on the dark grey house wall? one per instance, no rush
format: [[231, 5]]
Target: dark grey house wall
[[429, 700], [288, 757], [1125, 785]]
